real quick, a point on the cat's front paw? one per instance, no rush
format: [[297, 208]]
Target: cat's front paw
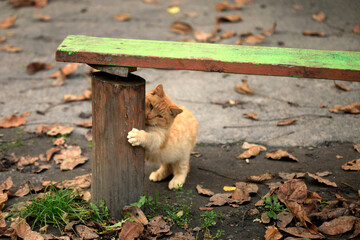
[[135, 137], [176, 183]]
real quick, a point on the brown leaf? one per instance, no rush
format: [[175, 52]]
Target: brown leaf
[[299, 212], [3, 199], [313, 34], [86, 124], [158, 226], [252, 115], [357, 147], [60, 80], [191, 14], [72, 98], [272, 233], [289, 176], [222, 6], [85, 232], [40, 168], [255, 39], [286, 122], [265, 219], [181, 27], [353, 165], [59, 129], [67, 70], [70, 152], [204, 191], [7, 184], [293, 190], [244, 87], [135, 214], [229, 18], [280, 155], [201, 36], [247, 145], [284, 218], [22, 3], [335, 108], [131, 230], [322, 180], [356, 229], [270, 31], [302, 232], [356, 29], [83, 181], [23, 230], [27, 160], [40, 16], [59, 141], [9, 48], [205, 208], [219, 199], [341, 86], [323, 174], [51, 152], [248, 187], [251, 152], [88, 135], [34, 67], [297, 7], [260, 178], [122, 17], [183, 236], [337, 226], [8, 22], [14, 120], [71, 163], [22, 191], [320, 16], [328, 214], [351, 108]]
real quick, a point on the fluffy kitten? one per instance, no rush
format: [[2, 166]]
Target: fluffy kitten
[[169, 136]]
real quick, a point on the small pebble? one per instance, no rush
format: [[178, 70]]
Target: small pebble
[[247, 161]]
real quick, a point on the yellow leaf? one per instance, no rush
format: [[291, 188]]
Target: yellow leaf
[[229, 188], [179, 214], [173, 9]]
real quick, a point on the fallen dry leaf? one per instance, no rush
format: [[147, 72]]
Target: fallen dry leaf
[[353, 165], [289, 176], [23, 230], [205, 208], [34, 67], [255, 39], [86, 124], [357, 147], [183, 236], [297, 7], [60, 80], [293, 190], [286, 122], [59, 141], [247, 145], [356, 229], [67, 70], [260, 178], [122, 17], [23, 3], [265, 219], [229, 18], [320, 16], [351, 108], [40, 168], [244, 87], [14, 120], [8, 22], [85, 232], [7, 184], [59, 129], [356, 29], [3, 199], [219, 199], [51, 152], [158, 226], [284, 218], [329, 214], [204, 191], [27, 160], [86, 196], [202, 36], [83, 181], [88, 135], [251, 115], [40, 16], [22, 191], [300, 213], [270, 31], [181, 27], [191, 14], [341, 86], [222, 6], [251, 152], [322, 180], [135, 213], [131, 230], [9, 48], [337, 226], [272, 233], [302, 232], [313, 34], [71, 163], [280, 155], [323, 174]]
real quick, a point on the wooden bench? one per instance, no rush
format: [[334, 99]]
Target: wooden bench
[[118, 97]]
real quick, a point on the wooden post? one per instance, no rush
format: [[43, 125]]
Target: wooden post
[[118, 105]]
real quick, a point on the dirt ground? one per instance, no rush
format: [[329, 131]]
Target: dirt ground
[[214, 167]]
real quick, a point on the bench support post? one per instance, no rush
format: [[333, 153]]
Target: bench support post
[[118, 105]]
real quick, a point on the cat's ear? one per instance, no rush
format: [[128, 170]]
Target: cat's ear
[[159, 91], [175, 111]]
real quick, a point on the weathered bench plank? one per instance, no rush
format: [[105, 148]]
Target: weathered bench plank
[[292, 62]]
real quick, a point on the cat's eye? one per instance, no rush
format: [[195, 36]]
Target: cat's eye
[[151, 107], [159, 116]]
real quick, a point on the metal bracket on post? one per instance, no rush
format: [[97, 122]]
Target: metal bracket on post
[[115, 70]]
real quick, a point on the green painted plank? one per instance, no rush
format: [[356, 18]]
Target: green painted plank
[[218, 52]]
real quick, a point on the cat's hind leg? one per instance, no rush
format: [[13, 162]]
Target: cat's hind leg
[[180, 171], [163, 172]]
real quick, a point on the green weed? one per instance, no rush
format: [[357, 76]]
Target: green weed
[[58, 207], [272, 206], [209, 220]]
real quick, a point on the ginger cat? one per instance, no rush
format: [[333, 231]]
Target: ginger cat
[[169, 136]]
